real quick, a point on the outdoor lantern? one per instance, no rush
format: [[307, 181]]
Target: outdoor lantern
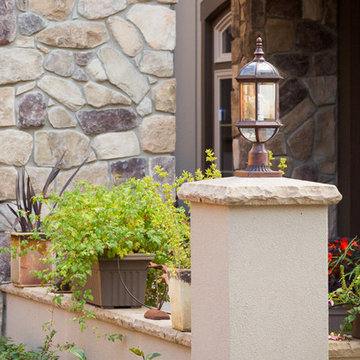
[[259, 111]]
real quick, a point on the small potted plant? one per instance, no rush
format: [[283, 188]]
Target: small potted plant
[[28, 244], [94, 229]]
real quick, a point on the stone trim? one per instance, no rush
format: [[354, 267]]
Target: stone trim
[[259, 191], [341, 350], [131, 319]]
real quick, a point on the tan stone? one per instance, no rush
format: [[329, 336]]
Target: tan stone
[[145, 107], [325, 148], [236, 153], [98, 9], [52, 9], [16, 147], [61, 62], [78, 35], [96, 70], [301, 142], [38, 177], [7, 106], [125, 35], [322, 89], [156, 23], [137, 1], [158, 63], [157, 134], [99, 96], [116, 145], [24, 88], [64, 91], [59, 118], [164, 96], [167, 1], [94, 174], [20, 65], [280, 35], [50, 145], [8, 177], [312, 9], [298, 115], [4, 225], [259, 191], [123, 74], [24, 42]]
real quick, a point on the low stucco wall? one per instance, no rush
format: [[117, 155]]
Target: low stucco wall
[[28, 308]]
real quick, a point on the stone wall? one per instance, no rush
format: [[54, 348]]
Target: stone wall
[[93, 78], [300, 39]]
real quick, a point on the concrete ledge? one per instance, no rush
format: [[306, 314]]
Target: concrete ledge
[[344, 350], [28, 308], [259, 191]]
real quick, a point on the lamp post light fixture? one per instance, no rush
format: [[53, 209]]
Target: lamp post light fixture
[[259, 112]]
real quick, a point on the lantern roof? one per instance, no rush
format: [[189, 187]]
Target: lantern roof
[[259, 68]]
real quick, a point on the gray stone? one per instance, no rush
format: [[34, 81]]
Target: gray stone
[[60, 118], [292, 64], [311, 36], [7, 106], [16, 147], [83, 58], [38, 177], [157, 24], [123, 170], [25, 88], [64, 91], [30, 23], [50, 145], [164, 96], [100, 96], [145, 107], [32, 110], [325, 147], [157, 134], [277, 144], [307, 172], [167, 163], [157, 63], [98, 9], [4, 259], [96, 70], [325, 63], [21, 5], [4, 224], [7, 21], [125, 35], [61, 62], [322, 89], [94, 174], [123, 74], [20, 65], [52, 9], [78, 35], [301, 142], [108, 120], [292, 92], [80, 75], [116, 145], [284, 9], [298, 115]]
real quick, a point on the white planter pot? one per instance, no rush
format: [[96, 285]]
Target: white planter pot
[[180, 299]]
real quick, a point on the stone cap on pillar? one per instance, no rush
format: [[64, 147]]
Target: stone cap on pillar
[[259, 191]]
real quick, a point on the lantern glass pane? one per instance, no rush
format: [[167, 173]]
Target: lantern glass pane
[[247, 101], [265, 134], [248, 134], [249, 69], [266, 101]]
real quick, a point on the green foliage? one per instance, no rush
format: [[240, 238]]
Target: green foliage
[[139, 352], [282, 165], [348, 295]]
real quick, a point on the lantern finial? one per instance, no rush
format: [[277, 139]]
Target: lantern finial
[[259, 50]]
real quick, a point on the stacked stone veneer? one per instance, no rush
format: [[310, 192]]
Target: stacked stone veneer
[[93, 78], [300, 39]]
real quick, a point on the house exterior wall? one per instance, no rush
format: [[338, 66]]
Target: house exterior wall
[[300, 39], [94, 78]]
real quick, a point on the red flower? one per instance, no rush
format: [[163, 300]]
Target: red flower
[[344, 244], [330, 257]]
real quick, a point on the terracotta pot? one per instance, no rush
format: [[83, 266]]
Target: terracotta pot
[[106, 287], [22, 266], [180, 299]]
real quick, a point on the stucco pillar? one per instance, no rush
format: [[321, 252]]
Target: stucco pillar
[[259, 268]]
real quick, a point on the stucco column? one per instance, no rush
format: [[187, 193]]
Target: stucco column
[[259, 268]]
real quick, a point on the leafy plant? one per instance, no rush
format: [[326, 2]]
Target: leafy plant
[[139, 352], [28, 206], [281, 166]]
